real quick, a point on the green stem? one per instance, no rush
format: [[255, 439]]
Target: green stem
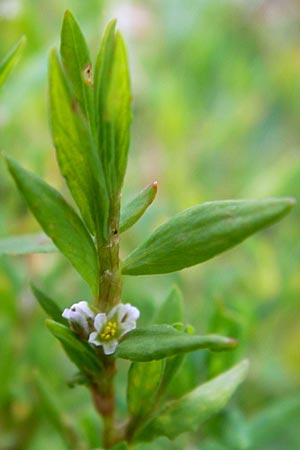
[[110, 275], [103, 390], [103, 393]]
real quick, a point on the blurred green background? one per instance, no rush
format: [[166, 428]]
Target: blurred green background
[[216, 90]]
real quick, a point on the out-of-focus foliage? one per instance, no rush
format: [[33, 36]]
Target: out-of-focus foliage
[[216, 89]]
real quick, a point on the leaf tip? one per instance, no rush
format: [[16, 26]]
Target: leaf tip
[[112, 23], [67, 14], [68, 20], [52, 57], [22, 41], [232, 343], [10, 162], [3, 154], [292, 201], [287, 204], [51, 325], [244, 367]]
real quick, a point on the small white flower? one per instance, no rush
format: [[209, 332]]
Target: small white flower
[[111, 327], [80, 317]]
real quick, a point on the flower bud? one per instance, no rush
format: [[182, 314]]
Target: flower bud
[[80, 318]]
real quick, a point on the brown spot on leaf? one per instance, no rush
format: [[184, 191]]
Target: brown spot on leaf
[[88, 74]]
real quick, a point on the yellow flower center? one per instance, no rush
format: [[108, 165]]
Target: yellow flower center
[[109, 331]]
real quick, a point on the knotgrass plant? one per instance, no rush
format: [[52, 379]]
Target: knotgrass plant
[[90, 111]]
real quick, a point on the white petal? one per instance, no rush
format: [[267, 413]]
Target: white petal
[[66, 314], [125, 312], [132, 312], [81, 320], [75, 316], [110, 347], [84, 307], [126, 326], [93, 338], [100, 321]]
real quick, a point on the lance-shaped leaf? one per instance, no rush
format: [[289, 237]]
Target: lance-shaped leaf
[[189, 411], [171, 310], [199, 233], [133, 210], [10, 60], [77, 63], [212, 444], [52, 408], [59, 221], [26, 244], [161, 341], [172, 366], [76, 153], [143, 382], [113, 107], [120, 446], [49, 305], [267, 425], [79, 351]]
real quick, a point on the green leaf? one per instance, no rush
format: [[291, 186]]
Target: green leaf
[[199, 233], [233, 430], [171, 310], [11, 59], [76, 153], [268, 423], [113, 107], [79, 351], [77, 63], [143, 383], [53, 410], [189, 411], [8, 366], [172, 366], [161, 341], [120, 446], [214, 445], [133, 210], [59, 221], [49, 305], [26, 244]]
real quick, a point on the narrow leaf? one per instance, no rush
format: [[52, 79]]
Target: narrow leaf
[[53, 411], [161, 341], [268, 423], [233, 429], [172, 365], [199, 233], [48, 305], [171, 310], [79, 351], [59, 221], [26, 244], [133, 210], [77, 63], [113, 107], [214, 445], [76, 154], [120, 446], [189, 411], [143, 383], [10, 60]]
